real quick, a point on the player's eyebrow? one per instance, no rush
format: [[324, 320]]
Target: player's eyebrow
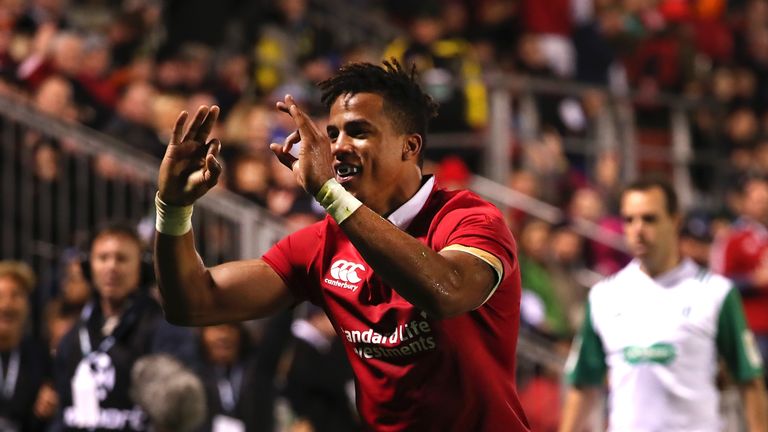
[[352, 125], [358, 124]]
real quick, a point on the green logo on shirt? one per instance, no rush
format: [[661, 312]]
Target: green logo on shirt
[[661, 353]]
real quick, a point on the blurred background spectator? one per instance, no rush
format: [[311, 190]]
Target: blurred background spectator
[[170, 394], [28, 399], [319, 382], [121, 323], [741, 255], [238, 380]]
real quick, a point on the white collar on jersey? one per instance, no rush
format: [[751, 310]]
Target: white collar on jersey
[[673, 276], [403, 216]]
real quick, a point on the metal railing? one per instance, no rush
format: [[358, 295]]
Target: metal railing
[[509, 197], [615, 129]]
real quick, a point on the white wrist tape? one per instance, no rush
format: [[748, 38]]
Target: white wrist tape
[[339, 203], [172, 220]]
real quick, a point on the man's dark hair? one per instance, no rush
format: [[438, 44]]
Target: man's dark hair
[[409, 107], [648, 183], [119, 228]]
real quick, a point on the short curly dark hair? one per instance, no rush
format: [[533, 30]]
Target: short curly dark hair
[[405, 102]]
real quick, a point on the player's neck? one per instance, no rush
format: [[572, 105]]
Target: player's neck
[[655, 269], [404, 191]]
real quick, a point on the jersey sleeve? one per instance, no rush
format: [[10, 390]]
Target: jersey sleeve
[[735, 342], [482, 232], [586, 364], [291, 258]]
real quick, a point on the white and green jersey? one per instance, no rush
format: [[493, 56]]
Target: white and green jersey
[[659, 340]]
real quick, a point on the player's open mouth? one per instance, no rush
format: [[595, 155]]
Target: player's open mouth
[[345, 172]]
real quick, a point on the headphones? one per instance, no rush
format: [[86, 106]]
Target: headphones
[[146, 262]]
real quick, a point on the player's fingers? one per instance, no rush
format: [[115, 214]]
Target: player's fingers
[[212, 171], [212, 165], [207, 125], [290, 140], [281, 106], [305, 125], [303, 122], [178, 128], [214, 147], [284, 156], [197, 120], [293, 108]]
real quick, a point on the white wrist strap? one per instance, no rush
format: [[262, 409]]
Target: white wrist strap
[[339, 203], [172, 220]]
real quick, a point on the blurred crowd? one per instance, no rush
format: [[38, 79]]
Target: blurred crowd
[[127, 68]]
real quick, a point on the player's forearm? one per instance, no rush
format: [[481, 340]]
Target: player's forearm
[[419, 274], [755, 405], [194, 295], [579, 406], [183, 280]]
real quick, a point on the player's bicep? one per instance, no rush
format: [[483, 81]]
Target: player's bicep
[[247, 290], [480, 273]]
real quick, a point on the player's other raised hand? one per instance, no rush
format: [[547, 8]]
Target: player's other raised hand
[[190, 168], [314, 165]]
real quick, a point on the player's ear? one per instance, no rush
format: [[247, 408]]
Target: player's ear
[[412, 146]]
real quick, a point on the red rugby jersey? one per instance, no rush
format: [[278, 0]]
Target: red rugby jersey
[[414, 372], [737, 256]]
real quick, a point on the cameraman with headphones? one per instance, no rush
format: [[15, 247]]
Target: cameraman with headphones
[[119, 325]]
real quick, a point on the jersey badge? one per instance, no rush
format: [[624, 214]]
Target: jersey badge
[[346, 274]]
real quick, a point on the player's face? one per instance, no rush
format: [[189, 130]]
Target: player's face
[[650, 231], [13, 307], [115, 266], [368, 150]]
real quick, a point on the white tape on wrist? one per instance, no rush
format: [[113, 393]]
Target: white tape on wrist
[[172, 220], [339, 203]]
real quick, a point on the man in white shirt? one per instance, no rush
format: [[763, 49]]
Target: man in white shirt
[[656, 329]]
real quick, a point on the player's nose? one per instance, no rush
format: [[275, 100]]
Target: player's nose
[[342, 144]]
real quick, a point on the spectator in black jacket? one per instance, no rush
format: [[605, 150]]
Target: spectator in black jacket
[[319, 384], [121, 324], [238, 380], [27, 399]]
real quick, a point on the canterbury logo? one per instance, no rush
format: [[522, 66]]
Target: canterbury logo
[[346, 271]]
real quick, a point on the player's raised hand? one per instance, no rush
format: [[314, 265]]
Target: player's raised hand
[[314, 166], [190, 168]]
